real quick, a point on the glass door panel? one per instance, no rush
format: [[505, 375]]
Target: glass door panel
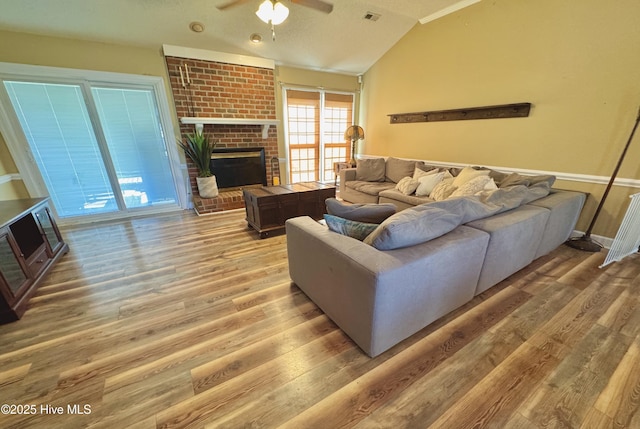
[[316, 122], [56, 123], [131, 126], [43, 216], [9, 266]]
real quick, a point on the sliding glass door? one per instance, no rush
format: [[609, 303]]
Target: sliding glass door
[[99, 149]]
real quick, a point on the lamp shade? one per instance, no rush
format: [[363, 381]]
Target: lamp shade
[[353, 133]]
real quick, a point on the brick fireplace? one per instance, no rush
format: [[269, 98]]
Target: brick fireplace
[[210, 89]]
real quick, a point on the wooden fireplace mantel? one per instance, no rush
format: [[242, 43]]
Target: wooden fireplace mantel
[[200, 122]]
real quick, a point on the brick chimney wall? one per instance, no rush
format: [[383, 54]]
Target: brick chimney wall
[[221, 90]]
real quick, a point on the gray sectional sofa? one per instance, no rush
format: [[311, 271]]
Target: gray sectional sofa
[[380, 297]]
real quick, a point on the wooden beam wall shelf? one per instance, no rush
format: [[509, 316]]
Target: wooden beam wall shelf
[[518, 110], [200, 122]]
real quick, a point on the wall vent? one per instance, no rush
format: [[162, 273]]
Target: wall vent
[[372, 16]]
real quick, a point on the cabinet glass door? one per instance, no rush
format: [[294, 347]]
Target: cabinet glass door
[[44, 217], [9, 266]]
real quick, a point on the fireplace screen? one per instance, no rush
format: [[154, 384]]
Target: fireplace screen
[[234, 167]]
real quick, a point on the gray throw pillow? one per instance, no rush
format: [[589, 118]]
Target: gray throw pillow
[[413, 226], [370, 169], [370, 213], [515, 179], [357, 230], [397, 169]]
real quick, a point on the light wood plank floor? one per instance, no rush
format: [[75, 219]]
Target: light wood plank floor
[[184, 321]]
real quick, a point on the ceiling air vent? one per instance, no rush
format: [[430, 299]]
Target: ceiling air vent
[[370, 16]]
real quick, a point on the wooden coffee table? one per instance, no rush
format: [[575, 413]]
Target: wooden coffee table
[[268, 207]]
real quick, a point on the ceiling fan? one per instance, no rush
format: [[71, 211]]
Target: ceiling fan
[[319, 5], [273, 12]]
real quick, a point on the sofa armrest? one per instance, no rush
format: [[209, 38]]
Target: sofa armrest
[[379, 298], [347, 175]]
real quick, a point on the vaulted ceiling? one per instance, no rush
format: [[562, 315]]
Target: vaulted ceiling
[[341, 41]]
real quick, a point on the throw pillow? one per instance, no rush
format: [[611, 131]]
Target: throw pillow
[[370, 169], [515, 179], [546, 178], [407, 185], [357, 230], [491, 185], [471, 187], [426, 167], [443, 190], [397, 168], [413, 226], [467, 174], [427, 183], [369, 213], [418, 172]]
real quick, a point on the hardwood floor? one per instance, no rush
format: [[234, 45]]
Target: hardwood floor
[[185, 321]]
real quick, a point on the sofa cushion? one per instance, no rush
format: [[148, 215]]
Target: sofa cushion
[[370, 213], [413, 226], [371, 188], [410, 200], [515, 237], [407, 185], [397, 168], [370, 170], [352, 228]]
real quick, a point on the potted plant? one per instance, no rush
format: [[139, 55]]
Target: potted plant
[[198, 148]]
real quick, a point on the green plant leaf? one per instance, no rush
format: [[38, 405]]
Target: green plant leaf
[[198, 148]]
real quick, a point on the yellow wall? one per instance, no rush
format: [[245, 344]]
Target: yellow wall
[[577, 62], [13, 189]]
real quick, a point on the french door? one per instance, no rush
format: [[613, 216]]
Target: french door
[[99, 148], [316, 122]]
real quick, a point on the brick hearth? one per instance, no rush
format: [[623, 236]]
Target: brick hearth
[[225, 91], [226, 200]]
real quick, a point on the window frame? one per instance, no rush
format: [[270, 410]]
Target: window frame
[[321, 128]]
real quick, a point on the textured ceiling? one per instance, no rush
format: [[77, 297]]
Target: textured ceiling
[[342, 41]]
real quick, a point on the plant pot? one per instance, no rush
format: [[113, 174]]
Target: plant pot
[[207, 187]]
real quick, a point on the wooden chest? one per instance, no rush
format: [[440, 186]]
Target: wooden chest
[[268, 207]]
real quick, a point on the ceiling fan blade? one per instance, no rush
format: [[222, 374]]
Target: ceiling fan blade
[[230, 4], [319, 5]]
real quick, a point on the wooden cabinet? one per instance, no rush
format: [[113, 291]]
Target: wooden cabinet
[[30, 243]]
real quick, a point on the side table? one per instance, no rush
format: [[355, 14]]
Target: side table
[[337, 167]]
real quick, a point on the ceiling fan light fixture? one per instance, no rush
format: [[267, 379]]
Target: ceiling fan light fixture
[[274, 13], [280, 13]]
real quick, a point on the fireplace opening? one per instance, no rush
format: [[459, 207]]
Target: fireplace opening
[[234, 167]]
